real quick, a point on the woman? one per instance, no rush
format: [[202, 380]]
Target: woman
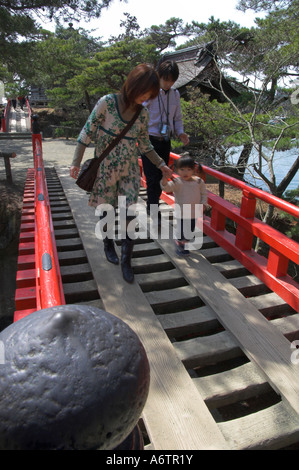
[[119, 173]]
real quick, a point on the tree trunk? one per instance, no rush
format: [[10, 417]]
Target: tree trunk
[[87, 99], [267, 220], [243, 159], [273, 89]]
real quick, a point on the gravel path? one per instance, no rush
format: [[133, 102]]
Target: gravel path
[[56, 152]]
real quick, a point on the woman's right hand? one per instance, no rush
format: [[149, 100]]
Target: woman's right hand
[[166, 172], [74, 171]]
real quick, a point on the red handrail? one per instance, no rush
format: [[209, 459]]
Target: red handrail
[[48, 281], [271, 270], [258, 193]]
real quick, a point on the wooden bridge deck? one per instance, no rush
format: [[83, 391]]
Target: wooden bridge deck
[[218, 341]]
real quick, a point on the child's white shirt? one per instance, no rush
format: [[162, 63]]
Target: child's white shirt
[[191, 192]]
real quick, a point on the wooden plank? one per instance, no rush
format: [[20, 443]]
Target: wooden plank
[[73, 270], [246, 281], [71, 257], [66, 233], [69, 244], [215, 254], [168, 296], [207, 350], [269, 303], [173, 300], [158, 279], [268, 429], [233, 385], [64, 224], [175, 415], [260, 340], [150, 260], [289, 326], [79, 291], [62, 216], [201, 319]]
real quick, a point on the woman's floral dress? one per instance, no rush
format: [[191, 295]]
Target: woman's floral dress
[[119, 173]]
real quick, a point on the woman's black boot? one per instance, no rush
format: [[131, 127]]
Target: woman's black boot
[[109, 250], [127, 246]]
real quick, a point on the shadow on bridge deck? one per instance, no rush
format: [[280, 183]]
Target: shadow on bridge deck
[[217, 339]]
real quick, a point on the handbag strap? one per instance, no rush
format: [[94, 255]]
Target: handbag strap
[[119, 137]]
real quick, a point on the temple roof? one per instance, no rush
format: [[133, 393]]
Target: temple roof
[[198, 68]]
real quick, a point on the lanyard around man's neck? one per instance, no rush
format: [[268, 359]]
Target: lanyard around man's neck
[[166, 111]]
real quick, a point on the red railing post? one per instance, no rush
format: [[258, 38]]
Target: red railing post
[[248, 204], [244, 238], [3, 124], [277, 263], [217, 220]]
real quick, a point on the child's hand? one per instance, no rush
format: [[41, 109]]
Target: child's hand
[[164, 180]]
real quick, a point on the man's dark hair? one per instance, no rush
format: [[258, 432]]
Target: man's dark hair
[[168, 70]]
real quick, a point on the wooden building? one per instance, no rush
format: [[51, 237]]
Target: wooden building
[[198, 68]]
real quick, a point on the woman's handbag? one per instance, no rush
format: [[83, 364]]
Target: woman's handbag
[[88, 172]]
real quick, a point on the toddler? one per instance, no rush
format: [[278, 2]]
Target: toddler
[[189, 191]]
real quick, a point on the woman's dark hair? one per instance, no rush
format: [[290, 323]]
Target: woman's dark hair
[[142, 79], [168, 70], [185, 161]]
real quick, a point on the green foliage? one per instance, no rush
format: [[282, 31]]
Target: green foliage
[[110, 66], [58, 59], [54, 9], [291, 196], [20, 30], [164, 36], [216, 123]]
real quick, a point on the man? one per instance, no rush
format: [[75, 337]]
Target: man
[[165, 120]]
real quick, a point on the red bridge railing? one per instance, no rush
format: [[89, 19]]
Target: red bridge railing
[[39, 283], [271, 270]]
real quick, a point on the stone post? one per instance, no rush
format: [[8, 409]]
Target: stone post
[[72, 377]]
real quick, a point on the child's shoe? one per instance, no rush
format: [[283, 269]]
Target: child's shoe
[[180, 250]]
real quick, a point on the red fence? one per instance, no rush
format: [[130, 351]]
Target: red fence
[[271, 270], [39, 283]]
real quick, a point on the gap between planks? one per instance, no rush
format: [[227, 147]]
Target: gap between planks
[[257, 337]]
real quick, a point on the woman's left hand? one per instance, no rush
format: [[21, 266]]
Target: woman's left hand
[[74, 171]]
